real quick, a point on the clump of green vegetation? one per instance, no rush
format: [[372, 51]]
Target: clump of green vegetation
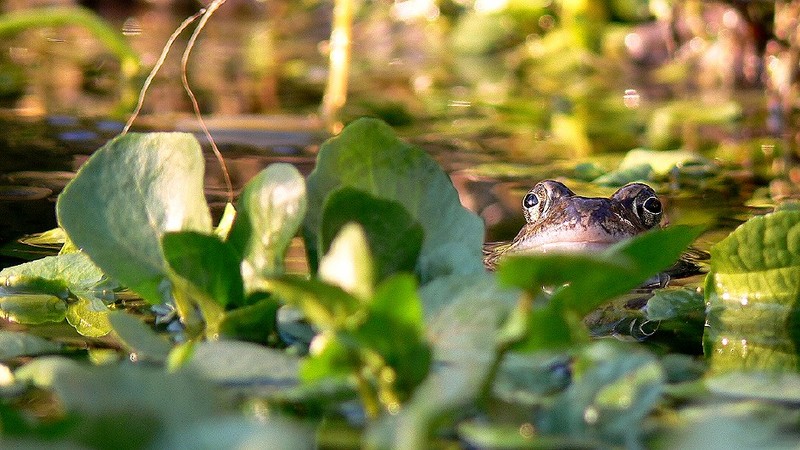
[[411, 340]]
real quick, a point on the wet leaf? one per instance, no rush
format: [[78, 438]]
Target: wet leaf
[[33, 309], [130, 192], [368, 156], [394, 237], [270, 210], [89, 316], [752, 291]]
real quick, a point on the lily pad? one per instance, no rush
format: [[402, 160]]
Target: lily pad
[[368, 156], [126, 196]]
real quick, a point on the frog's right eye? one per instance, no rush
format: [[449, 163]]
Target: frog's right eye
[[530, 200]]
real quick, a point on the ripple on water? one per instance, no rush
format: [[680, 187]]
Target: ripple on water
[[23, 193]]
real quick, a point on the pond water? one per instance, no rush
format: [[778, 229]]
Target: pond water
[[499, 111]]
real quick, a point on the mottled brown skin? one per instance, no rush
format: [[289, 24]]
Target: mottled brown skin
[[560, 221]]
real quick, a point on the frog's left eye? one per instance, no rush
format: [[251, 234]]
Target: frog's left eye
[[649, 211]]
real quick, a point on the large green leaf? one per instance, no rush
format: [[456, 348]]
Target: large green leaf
[[753, 293], [368, 156], [270, 210], [394, 237], [206, 265], [14, 344], [131, 191]]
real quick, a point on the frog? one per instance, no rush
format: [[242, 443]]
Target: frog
[[558, 220]]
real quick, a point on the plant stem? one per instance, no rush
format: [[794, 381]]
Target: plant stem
[[368, 398]]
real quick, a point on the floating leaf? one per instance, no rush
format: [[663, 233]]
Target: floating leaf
[[270, 210], [129, 192], [753, 290], [369, 157]]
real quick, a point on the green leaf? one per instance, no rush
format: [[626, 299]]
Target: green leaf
[[394, 237], [270, 210], [14, 344], [89, 317], [464, 314], [206, 266], [138, 338], [348, 263], [614, 389], [243, 363], [164, 401], [394, 329], [753, 290], [32, 309], [38, 291], [596, 278], [368, 156], [130, 192], [255, 322], [326, 306], [242, 432]]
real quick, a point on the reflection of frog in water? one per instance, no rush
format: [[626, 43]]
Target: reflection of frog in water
[[560, 221]]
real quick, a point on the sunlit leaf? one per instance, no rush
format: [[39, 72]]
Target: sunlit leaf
[[752, 291], [348, 263], [208, 266], [368, 156], [129, 192], [394, 237], [270, 210]]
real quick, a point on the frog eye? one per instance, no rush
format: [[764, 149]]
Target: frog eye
[[539, 199], [649, 211], [530, 201]]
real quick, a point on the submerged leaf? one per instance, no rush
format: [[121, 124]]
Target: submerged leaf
[[369, 157], [129, 192]]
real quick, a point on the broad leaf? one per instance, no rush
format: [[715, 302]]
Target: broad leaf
[[270, 210], [394, 237], [243, 363], [369, 157], [129, 192], [614, 389], [327, 306], [753, 293], [208, 266]]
